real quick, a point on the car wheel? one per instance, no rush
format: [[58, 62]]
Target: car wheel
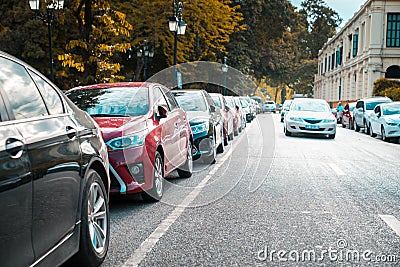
[[156, 192], [225, 141], [366, 128], [210, 159], [371, 133], [356, 127], [383, 135], [186, 170], [220, 148], [240, 129], [287, 133], [95, 221]]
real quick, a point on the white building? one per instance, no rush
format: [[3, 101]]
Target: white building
[[365, 49]]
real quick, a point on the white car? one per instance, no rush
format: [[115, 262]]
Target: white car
[[385, 121], [269, 106], [310, 116]]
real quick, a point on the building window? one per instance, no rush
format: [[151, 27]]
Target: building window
[[329, 63], [339, 56], [333, 61], [355, 44], [393, 30]]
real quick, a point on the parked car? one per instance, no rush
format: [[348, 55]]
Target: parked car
[[347, 120], [385, 121], [269, 106], [310, 116], [285, 108], [258, 99], [242, 112], [228, 115], [236, 110], [246, 109], [363, 110], [146, 132], [54, 180], [251, 106], [206, 122]]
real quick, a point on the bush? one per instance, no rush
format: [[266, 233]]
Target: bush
[[392, 92], [384, 84]]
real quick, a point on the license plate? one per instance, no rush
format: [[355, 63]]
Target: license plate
[[313, 127]]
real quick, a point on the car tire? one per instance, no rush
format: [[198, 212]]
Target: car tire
[[287, 133], [95, 224], [156, 192], [211, 159], [366, 128], [383, 135], [239, 129], [371, 133], [225, 141], [356, 127], [186, 170]]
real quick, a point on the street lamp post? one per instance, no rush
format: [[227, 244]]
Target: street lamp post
[[225, 70], [146, 54], [176, 25], [48, 19]]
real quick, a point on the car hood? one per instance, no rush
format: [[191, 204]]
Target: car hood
[[116, 127], [310, 114], [196, 116], [392, 118]]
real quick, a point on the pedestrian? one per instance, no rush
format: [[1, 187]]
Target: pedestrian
[[339, 112]]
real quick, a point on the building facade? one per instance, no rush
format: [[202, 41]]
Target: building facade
[[366, 48]]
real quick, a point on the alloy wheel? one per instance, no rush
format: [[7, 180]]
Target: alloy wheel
[[97, 217]]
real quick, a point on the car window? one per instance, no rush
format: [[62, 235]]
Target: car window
[[372, 105], [209, 100], [170, 99], [21, 92], [217, 101], [191, 101], [393, 109], [313, 106], [158, 97], [360, 104], [116, 102], [50, 95]]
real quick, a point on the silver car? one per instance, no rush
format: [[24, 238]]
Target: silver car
[[385, 121], [285, 108], [310, 116]]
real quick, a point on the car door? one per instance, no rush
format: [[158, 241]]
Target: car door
[[359, 113], [177, 148], [15, 194], [374, 119], [216, 118], [53, 151]]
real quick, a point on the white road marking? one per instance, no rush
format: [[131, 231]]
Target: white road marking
[[392, 222], [147, 245], [336, 169]]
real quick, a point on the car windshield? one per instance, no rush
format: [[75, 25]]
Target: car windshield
[[217, 101], [314, 106], [191, 101], [115, 102], [391, 109], [229, 102], [269, 102], [372, 105]]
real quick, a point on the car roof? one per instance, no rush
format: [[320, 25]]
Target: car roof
[[375, 98], [114, 85], [395, 103]]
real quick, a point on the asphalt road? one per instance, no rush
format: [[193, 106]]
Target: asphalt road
[[271, 200]]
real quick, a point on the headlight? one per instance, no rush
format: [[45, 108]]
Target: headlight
[[128, 141], [198, 128], [295, 119]]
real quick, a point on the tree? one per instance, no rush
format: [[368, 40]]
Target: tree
[[102, 33]]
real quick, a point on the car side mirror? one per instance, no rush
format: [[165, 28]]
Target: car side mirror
[[378, 114], [161, 112], [227, 109], [212, 108], [237, 107]]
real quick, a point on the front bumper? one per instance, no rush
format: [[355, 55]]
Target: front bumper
[[310, 128], [393, 131], [123, 181]]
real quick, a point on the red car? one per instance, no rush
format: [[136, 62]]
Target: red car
[[229, 116], [146, 133]]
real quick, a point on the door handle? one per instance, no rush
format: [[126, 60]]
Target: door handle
[[14, 148], [71, 132]]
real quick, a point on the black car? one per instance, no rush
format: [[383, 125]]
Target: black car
[[206, 123], [54, 179]]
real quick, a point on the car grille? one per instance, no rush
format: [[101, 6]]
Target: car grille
[[312, 121], [314, 130]]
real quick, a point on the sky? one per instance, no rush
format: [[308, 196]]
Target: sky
[[345, 8]]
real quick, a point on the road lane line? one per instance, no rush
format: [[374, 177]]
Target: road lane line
[[336, 169], [392, 222], [147, 245]]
